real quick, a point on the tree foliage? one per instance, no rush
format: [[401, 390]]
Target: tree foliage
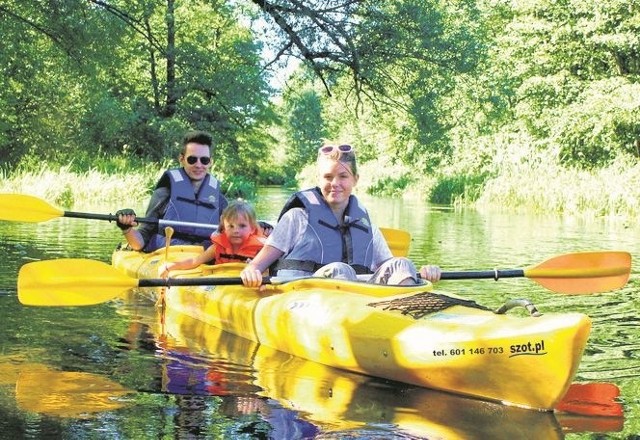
[[437, 85], [398, 58], [132, 76], [575, 66], [304, 126]]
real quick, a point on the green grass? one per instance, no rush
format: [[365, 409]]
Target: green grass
[[65, 188], [119, 181], [545, 187]]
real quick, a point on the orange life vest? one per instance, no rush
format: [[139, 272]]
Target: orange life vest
[[224, 251]]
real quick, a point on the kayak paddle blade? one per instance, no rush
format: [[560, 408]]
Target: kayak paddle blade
[[71, 282], [25, 208], [583, 272]]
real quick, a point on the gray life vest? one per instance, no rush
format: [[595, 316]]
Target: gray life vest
[[325, 240], [187, 206]]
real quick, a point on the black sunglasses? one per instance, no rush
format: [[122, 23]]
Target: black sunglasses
[[204, 160]]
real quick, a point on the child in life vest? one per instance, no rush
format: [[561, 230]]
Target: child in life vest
[[239, 239]]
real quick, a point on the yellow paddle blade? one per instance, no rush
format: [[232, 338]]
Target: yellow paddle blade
[[583, 272], [70, 282], [24, 208], [398, 241]]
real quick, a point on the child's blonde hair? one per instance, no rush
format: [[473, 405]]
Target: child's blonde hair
[[238, 208]]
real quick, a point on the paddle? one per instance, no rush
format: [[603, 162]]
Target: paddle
[[398, 241], [79, 282], [26, 208], [168, 233], [75, 282], [43, 390], [576, 273]]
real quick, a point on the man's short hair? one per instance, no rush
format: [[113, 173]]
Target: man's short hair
[[198, 137]]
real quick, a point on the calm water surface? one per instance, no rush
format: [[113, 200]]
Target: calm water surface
[[119, 370]]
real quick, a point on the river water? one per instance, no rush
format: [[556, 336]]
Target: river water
[[117, 370]]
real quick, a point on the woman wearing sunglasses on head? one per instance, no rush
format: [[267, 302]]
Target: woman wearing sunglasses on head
[[186, 194], [325, 231]]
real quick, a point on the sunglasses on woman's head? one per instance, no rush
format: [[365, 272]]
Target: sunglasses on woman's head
[[329, 149], [204, 160]]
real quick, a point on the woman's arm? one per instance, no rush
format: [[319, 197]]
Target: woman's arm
[[381, 250], [281, 241], [252, 274]]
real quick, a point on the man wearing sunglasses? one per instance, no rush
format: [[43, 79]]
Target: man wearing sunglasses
[[187, 194]]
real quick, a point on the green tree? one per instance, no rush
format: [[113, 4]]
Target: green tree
[[132, 76], [304, 126], [574, 71], [391, 61], [42, 81]]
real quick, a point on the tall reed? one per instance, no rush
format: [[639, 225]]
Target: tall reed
[[66, 188]]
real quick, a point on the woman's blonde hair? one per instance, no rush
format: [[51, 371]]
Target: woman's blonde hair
[[339, 156]]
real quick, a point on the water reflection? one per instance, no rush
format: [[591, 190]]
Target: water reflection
[[208, 385], [44, 390], [204, 382]]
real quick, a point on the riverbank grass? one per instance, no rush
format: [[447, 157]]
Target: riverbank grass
[[610, 191], [65, 188]]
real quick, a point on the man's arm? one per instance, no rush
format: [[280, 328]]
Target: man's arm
[[155, 209], [138, 237]]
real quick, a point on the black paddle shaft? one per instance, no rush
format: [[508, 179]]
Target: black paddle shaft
[[492, 274], [230, 281], [108, 217], [213, 281], [160, 222]]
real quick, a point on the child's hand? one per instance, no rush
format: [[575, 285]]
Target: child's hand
[[164, 269]]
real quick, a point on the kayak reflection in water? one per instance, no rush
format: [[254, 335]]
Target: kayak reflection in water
[[275, 422], [192, 382]]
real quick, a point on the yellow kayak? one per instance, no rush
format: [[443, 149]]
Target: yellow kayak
[[339, 401], [336, 400], [408, 334]]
